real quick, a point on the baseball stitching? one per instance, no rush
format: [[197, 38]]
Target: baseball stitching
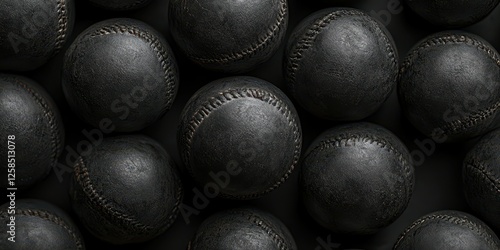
[[309, 37], [233, 94], [48, 113], [476, 166], [257, 220], [460, 125], [51, 218], [479, 229], [156, 44], [261, 43], [62, 13]]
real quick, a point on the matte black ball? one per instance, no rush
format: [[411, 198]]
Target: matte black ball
[[33, 31], [242, 229], [32, 130], [126, 190], [120, 5], [450, 86], [452, 13], [341, 64], [356, 178], [120, 71], [239, 137], [481, 176], [37, 225], [230, 35], [448, 230]]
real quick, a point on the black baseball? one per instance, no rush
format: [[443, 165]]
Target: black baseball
[[120, 71], [32, 32], [37, 225], [120, 5], [448, 230], [126, 190], [239, 137], [242, 229], [230, 35], [32, 129], [481, 176], [450, 86], [341, 64], [356, 178]]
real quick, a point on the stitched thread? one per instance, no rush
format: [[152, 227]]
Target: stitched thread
[[262, 42], [478, 167], [51, 218], [309, 37], [257, 220], [233, 94], [62, 13]]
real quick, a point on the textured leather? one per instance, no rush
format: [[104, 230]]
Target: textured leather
[[120, 5], [450, 86], [356, 178], [452, 13], [228, 35], [481, 176], [448, 230], [242, 229], [118, 59], [29, 113], [341, 64], [126, 190], [39, 225], [241, 122], [33, 31]]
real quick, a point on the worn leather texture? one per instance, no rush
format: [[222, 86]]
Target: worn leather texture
[[120, 5], [481, 176], [126, 190], [452, 13], [39, 225], [240, 123], [340, 64], [450, 86], [29, 113], [448, 230], [356, 178], [122, 70], [228, 35], [33, 31], [242, 229]]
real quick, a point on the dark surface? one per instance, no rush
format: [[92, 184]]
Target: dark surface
[[438, 171]]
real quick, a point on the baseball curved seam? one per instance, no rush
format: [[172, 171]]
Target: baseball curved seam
[[272, 32], [51, 218], [62, 12], [156, 44], [455, 220], [342, 140], [173, 213], [233, 94], [98, 201], [55, 139], [268, 229], [460, 125], [490, 177], [308, 38]]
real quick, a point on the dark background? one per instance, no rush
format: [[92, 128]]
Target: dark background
[[438, 180]]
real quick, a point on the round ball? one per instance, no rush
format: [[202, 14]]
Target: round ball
[[356, 178], [450, 86], [231, 35], [31, 122], [239, 137], [452, 13], [120, 5], [120, 71], [37, 225], [341, 64], [448, 230], [243, 228], [33, 32], [126, 190], [481, 176]]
